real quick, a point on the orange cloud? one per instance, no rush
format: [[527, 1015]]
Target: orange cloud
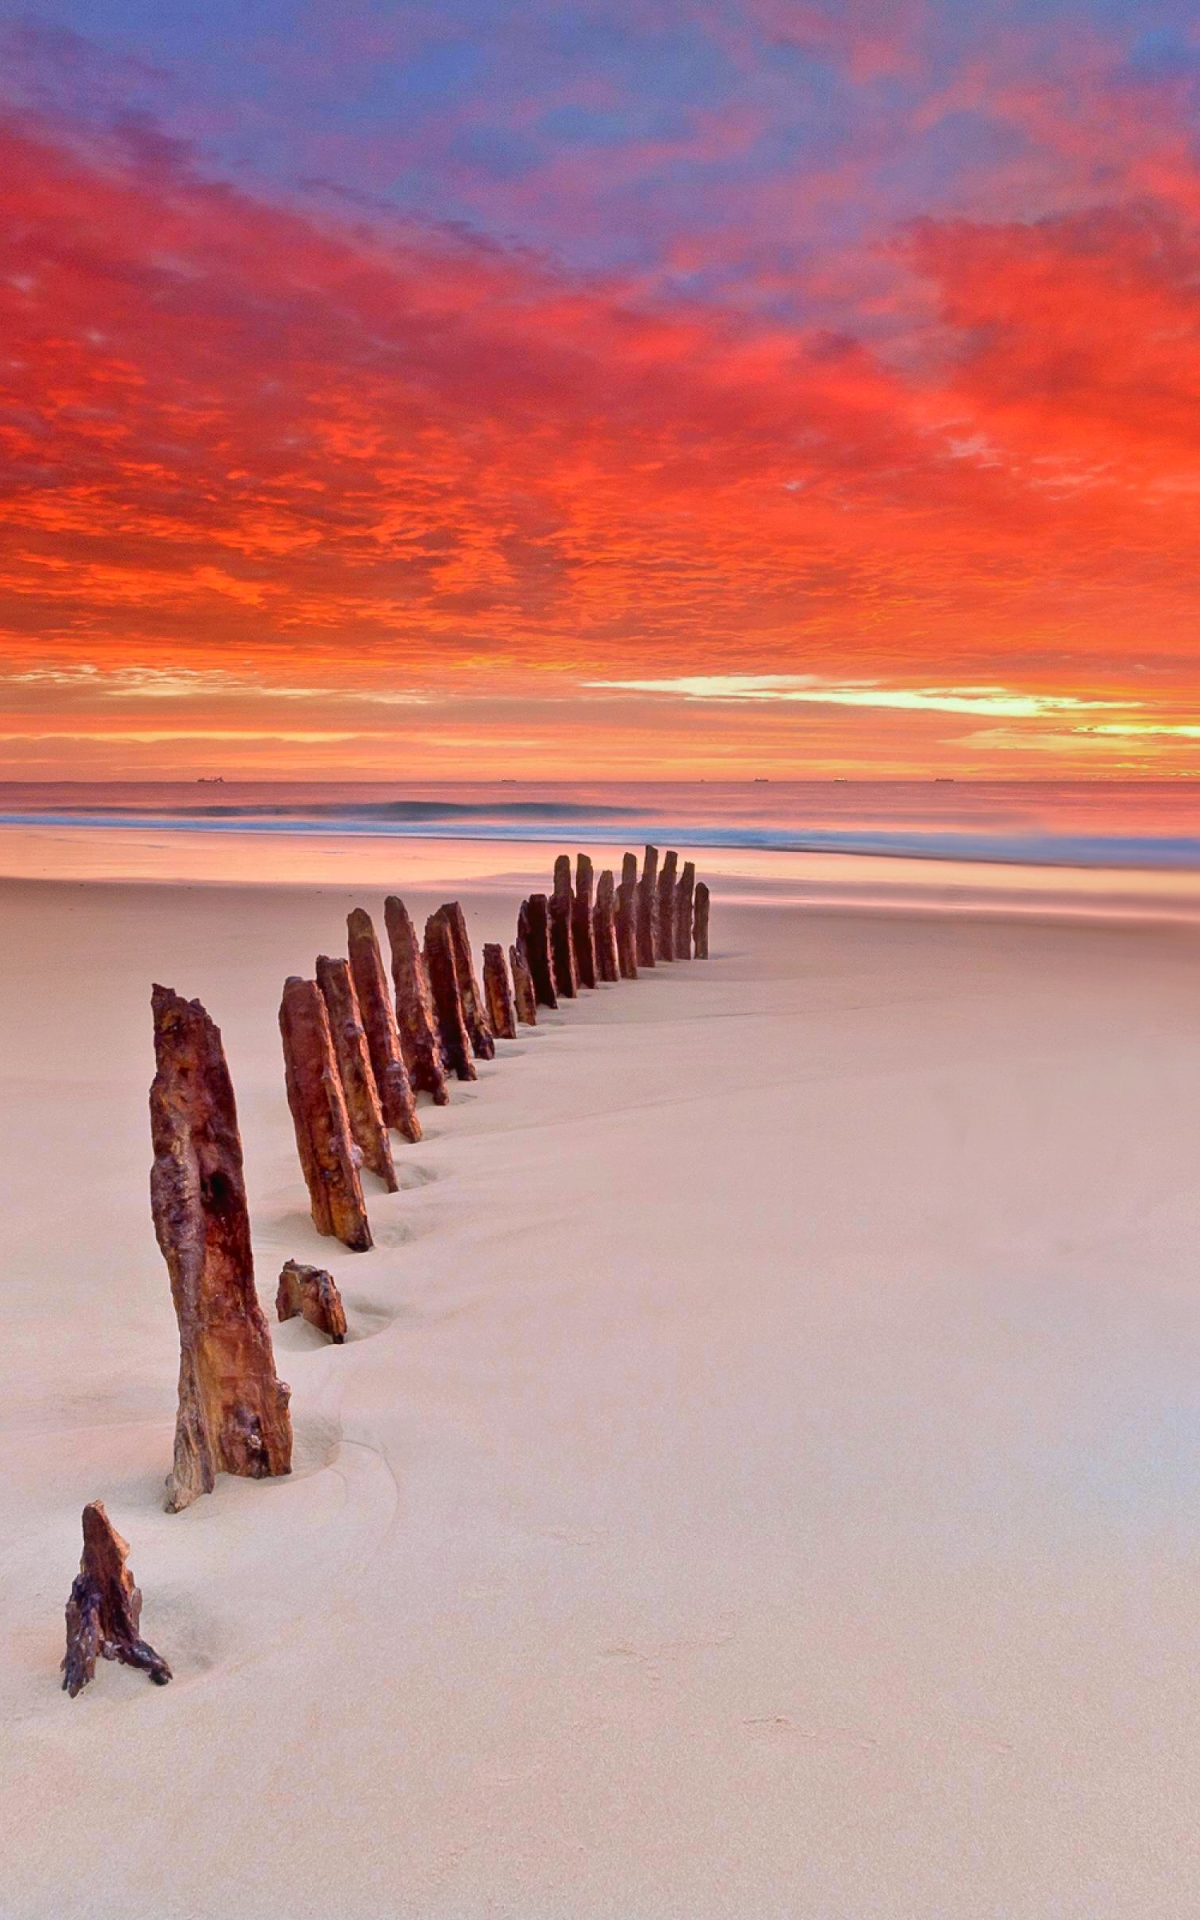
[[239, 436]]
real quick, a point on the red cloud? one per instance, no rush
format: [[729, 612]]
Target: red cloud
[[236, 431]]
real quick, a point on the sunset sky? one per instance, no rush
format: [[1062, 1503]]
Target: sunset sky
[[680, 387]]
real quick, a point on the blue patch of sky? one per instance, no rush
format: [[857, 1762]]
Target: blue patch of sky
[[269, 89]]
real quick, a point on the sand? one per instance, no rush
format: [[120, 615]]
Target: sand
[[761, 1479]]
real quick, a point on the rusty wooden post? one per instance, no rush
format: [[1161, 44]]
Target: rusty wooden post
[[415, 1019], [501, 1011], [474, 1007], [104, 1609], [323, 1139], [604, 934], [524, 997], [647, 904], [443, 984], [683, 911], [664, 909], [313, 1293], [396, 1095], [700, 921], [233, 1410], [354, 1066], [562, 944], [626, 919], [582, 936], [533, 937]]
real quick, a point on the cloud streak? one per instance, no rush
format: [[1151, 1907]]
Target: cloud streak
[[809, 689]]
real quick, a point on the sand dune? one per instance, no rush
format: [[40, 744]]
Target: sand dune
[[760, 1479]]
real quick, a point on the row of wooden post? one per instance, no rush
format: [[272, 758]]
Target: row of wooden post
[[355, 1060], [569, 939]]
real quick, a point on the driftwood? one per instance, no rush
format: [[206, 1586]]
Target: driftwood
[[562, 943], [447, 1003], [324, 1142], [582, 936], [502, 1014], [700, 921], [397, 1098], [604, 932], [104, 1609], [647, 908], [683, 911], [479, 1031], [524, 998], [314, 1293], [354, 1065], [415, 1019], [233, 1410], [533, 938], [664, 909]]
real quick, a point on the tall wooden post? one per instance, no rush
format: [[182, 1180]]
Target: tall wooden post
[[626, 918], [582, 935], [447, 1002], [647, 905], [354, 1066], [700, 921], [479, 1031], [684, 893], [664, 913], [533, 938], [415, 1019], [323, 1138], [604, 933], [501, 1011], [562, 943], [524, 997], [396, 1096], [233, 1409]]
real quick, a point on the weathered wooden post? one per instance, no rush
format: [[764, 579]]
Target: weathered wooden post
[[233, 1410], [524, 997], [354, 1065], [604, 933], [700, 921], [479, 1030], [447, 1002], [415, 1020], [312, 1292], [683, 911], [647, 903], [501, 1011], [324, 1142], [104, 1609], [626, 918], [396, 1095], [664, 909], [582, 936], [533, 937], [562, 944]]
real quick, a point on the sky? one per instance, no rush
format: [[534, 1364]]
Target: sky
[[669, 389]]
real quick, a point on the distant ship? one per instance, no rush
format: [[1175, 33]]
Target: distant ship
[[211, 780]]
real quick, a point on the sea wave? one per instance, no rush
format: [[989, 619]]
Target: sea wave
[[546, 821]]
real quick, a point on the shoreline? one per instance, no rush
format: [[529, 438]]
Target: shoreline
[[860, 883]]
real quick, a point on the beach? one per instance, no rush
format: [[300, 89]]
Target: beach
[[760, 1479]]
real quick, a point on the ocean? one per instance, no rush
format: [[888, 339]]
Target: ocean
[[1050, 846]]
